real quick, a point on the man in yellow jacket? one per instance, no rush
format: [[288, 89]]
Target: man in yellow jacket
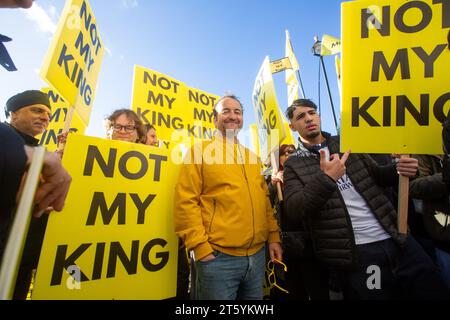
[[223, 212]]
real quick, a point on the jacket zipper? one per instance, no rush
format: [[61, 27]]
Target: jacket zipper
[[214, 213], [251, 200]]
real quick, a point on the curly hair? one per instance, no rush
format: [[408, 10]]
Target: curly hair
[[130, 114]]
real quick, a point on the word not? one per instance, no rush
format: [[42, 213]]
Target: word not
[[202, 98], [384, 27], [162, 82], [108, 167], [54, 97]]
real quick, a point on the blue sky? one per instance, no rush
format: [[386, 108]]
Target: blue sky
[[215, 46]]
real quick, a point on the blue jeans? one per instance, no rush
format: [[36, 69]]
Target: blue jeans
[[231, 277], [386, 270], [443, 260]]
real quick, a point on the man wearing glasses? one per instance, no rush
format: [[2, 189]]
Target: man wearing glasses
[[352, 222], [222, 211]]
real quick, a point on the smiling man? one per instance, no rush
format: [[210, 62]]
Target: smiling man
[[29, 113], [223, 213]]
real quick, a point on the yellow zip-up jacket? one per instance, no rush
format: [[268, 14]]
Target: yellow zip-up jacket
[[222, 201]]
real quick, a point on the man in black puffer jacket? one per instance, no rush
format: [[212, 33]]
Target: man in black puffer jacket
[[353, 224]]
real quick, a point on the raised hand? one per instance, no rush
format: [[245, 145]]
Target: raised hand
[[335, 166]]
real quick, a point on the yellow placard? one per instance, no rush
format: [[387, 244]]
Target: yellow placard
[[289, 52], [201, 122], [330, 45], [291, 78], [60, 109], [179, 113], [269, 121], [116, 231], [280, 65], [395, 75], [72, 63]]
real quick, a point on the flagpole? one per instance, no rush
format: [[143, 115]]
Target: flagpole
[[301, 84], [318, 88], [298, 71], [316, 51], [329, 92]]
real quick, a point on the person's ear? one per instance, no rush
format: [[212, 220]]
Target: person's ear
[[291, 126], [13, 115]]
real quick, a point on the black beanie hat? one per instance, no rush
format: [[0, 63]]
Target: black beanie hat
[[25, 99]]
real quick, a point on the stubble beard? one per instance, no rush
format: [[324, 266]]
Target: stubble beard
[[313, 135]]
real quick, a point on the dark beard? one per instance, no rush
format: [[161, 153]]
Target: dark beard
[[312, 135]]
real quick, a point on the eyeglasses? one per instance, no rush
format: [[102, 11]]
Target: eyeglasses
[[118, 128], [272, 278]]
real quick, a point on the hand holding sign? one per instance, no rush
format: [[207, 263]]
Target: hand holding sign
[[335, 166], [406, 166], [55, 182]]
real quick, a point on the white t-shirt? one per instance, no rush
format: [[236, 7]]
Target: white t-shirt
[[365, 225]]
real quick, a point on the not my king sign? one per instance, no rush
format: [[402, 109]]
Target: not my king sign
[[396, 75]]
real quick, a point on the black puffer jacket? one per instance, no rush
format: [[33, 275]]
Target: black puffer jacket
[[310, 195], [434, 193]]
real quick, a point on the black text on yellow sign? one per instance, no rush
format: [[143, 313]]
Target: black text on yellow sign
[[395, 83], [59, 114], [170, 105], [402, 60], [100, 212], [88, 49]]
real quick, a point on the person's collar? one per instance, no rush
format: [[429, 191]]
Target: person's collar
[[29, 140], [316, 147]]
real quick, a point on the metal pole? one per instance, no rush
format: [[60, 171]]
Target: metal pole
[[318, 92], [301, 85], [329, 93]]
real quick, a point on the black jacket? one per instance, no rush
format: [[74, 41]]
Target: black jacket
[[313, 197], [29, 140], [434, 193], [12, 166]]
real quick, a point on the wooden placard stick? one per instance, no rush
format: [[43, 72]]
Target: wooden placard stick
[[274, 162], [67, 123], [403, 196]]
